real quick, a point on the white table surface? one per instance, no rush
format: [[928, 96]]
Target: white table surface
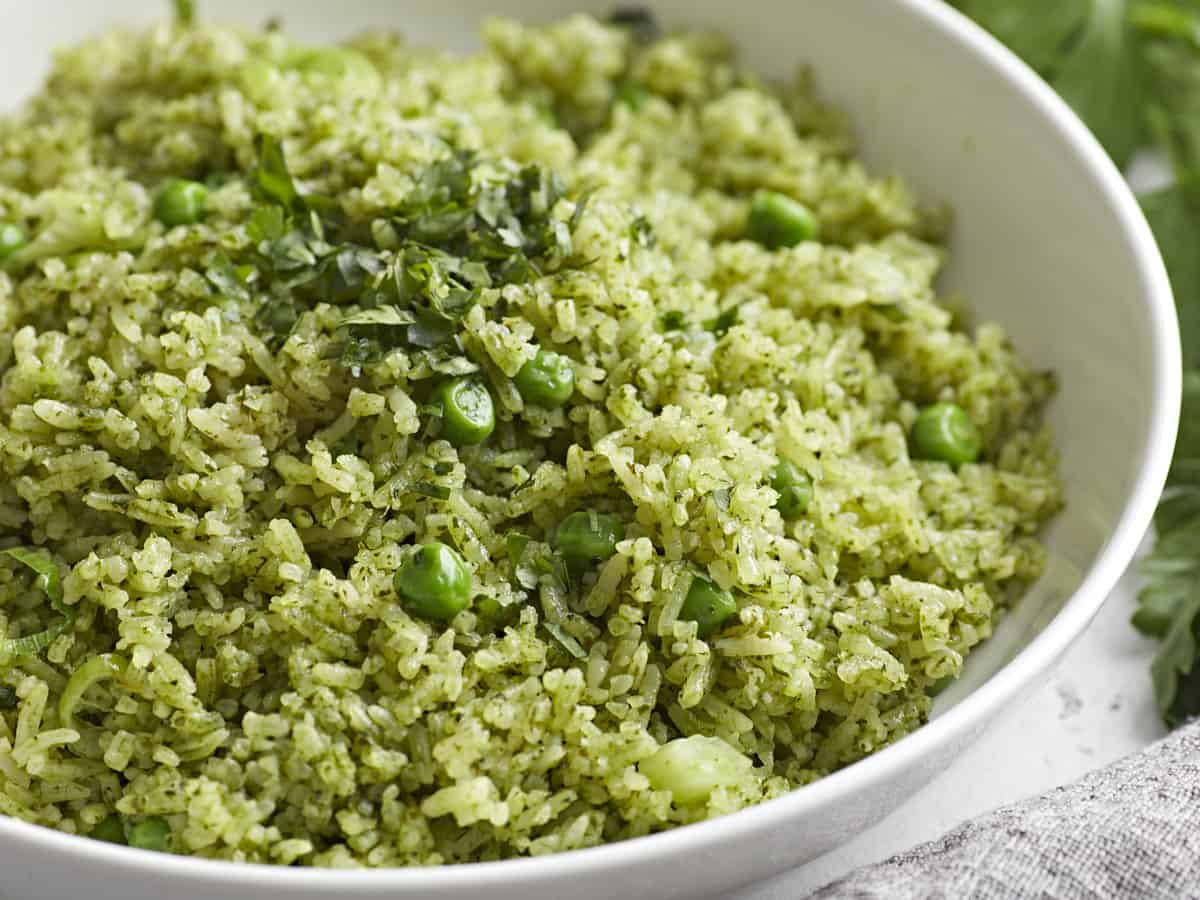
[[1096, 708]]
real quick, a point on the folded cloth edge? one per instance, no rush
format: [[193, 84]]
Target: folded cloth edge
[[1130, 831]]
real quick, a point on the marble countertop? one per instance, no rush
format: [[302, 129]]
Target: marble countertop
[[1095, 708]]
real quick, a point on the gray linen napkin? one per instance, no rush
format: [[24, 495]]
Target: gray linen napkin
[[1127, 832]]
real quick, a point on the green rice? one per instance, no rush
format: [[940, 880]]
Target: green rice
[[226, 475]]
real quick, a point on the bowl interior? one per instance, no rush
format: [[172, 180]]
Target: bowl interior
[[1036, 246]]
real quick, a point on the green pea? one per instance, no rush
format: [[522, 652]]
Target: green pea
[[151, 834], [707, 605], [12, 238], [776, 220], [794, 487], [547, 380], [945, 433], [468, 414], [586, 537], [180, 202], [111, 829], [434, 583]]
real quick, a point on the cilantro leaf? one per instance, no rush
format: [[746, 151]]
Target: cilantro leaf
[[224, 278], [349, 271], [277, 317], [462, 228], [565, 640], [271, 176], [48, 581], [429, 331], [429, 489], [267, 223], [385, 315]]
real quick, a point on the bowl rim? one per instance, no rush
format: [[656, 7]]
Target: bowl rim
[[875, 770]]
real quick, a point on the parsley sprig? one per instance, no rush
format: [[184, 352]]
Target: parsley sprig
[[1132, 72]]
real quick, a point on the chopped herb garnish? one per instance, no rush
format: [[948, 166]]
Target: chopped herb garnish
[[448, 362], [516, 543], [429, 489], [347, 446], [48, 581], [372, 333], [272, 177], [723, 322], [673, 320], [641, 232], [384, 315], [222, 275], [352, 270], [455, 235], [356, 353], [277, 317], [430, 331], [267, 223], [565, 640]]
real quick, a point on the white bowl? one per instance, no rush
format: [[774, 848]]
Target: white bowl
[[1048, 241]]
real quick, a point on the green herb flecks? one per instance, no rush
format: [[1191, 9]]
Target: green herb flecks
[[456, 234]]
